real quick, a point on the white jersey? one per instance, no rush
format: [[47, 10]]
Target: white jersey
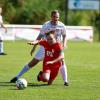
[[60, 29]]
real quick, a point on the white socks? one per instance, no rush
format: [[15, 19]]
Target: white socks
[[63, 71], [25, 69], [1, 47]]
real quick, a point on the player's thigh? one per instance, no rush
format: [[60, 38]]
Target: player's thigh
[[54, 73], [33, 62], [40, 53], [46, 75]]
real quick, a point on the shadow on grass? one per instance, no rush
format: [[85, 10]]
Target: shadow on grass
[[13, 84], [6, 84], [36, 85]]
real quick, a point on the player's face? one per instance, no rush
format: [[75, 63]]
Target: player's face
[[51, 38], [55, 17]]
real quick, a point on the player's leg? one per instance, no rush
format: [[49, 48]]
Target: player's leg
[[50, 82], [39, 56], [63, 71], [31, 64], [44, 76], [53, 75], [1, 46]]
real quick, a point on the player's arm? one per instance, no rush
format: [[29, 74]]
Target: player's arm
[[32, 50], [42, 42], [64, 37], [35, 42], [40, 36], [64, 40], [60, 57]]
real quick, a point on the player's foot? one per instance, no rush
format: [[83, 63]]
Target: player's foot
[[66, 84], [38, 76], [49, 82], [13, 80], [3, 54]]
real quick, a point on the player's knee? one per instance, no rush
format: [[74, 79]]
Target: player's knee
[[46, 76]]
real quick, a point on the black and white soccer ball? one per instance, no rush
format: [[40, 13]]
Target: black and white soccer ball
[[21, 83]]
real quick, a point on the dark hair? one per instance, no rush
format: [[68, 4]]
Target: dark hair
[[50, 32], [54, 11]]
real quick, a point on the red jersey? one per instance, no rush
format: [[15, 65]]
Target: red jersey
[[51, 52]]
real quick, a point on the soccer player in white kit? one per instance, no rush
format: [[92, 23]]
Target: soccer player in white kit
[[59, 27], [1, 37]]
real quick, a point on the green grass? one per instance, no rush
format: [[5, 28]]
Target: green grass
[[82, 59]]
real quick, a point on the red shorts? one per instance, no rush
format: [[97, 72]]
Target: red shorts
[[52, 70]]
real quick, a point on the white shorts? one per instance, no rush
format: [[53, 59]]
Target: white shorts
[[40, 53]]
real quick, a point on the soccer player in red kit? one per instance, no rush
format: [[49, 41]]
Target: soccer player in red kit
[[53, 57]]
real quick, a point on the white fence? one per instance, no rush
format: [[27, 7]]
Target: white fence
[[30, 32]]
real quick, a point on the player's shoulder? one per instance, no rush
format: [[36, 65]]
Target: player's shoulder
[[46, 23], [61, 23], [58, 45], [43, 42]]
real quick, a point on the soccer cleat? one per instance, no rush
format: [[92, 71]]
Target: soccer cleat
[[13, 80], [38, 76], [3, 54], [50, 82], [66, 84]]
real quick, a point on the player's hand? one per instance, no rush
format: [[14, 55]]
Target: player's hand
[[49, 62], [33, 42], [30, 43]]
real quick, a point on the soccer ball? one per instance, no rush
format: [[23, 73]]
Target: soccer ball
[[21, 83]]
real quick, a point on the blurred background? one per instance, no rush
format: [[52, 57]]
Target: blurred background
[[36, 12]]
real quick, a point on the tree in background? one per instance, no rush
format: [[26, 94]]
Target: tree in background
[[38, 11]]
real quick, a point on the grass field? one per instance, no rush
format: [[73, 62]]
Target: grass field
[[82, 58]]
